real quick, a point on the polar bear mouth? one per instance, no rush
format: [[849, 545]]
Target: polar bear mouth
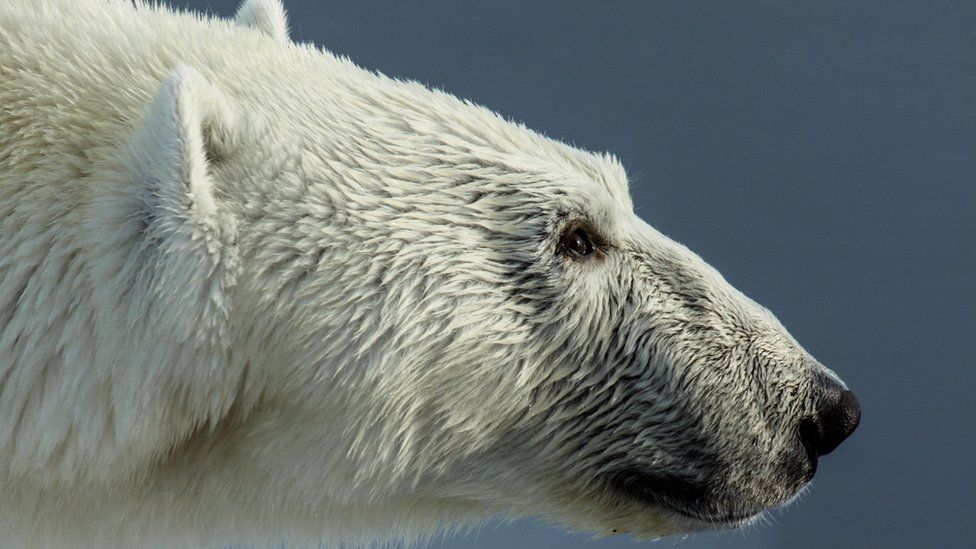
[[688, 498]]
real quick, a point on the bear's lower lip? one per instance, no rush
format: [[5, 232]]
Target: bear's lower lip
[[685, 497]]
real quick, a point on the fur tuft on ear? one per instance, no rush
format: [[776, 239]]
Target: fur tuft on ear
[[267, 16]]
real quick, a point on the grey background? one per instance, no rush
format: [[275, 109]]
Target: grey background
[[822, 155]]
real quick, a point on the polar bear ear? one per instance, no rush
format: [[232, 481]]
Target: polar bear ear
[[267, 16], [189, 124]]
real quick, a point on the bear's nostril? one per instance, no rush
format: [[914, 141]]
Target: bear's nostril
[[810, 437], [838, 416]]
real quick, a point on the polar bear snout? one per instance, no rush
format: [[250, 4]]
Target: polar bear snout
[[837, 416]]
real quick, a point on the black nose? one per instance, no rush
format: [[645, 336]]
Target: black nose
[[838, 414]]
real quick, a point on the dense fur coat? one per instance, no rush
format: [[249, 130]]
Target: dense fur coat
[[250, 291]]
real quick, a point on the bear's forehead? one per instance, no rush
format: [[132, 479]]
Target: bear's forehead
[[519, 148], [430, 125], [511, 146]]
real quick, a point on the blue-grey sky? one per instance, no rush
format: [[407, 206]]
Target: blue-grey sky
[[821, 155]]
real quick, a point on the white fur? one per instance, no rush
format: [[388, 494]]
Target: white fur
[[267, 16], [250, 292]]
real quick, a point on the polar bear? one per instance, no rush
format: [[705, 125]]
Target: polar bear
[[252, 292]]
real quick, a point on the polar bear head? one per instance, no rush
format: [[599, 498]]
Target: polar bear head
[[430, 307]]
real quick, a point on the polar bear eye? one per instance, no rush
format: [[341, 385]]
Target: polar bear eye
[[577, 243]]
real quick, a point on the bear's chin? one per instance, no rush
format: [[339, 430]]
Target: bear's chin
[[691, 500]]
